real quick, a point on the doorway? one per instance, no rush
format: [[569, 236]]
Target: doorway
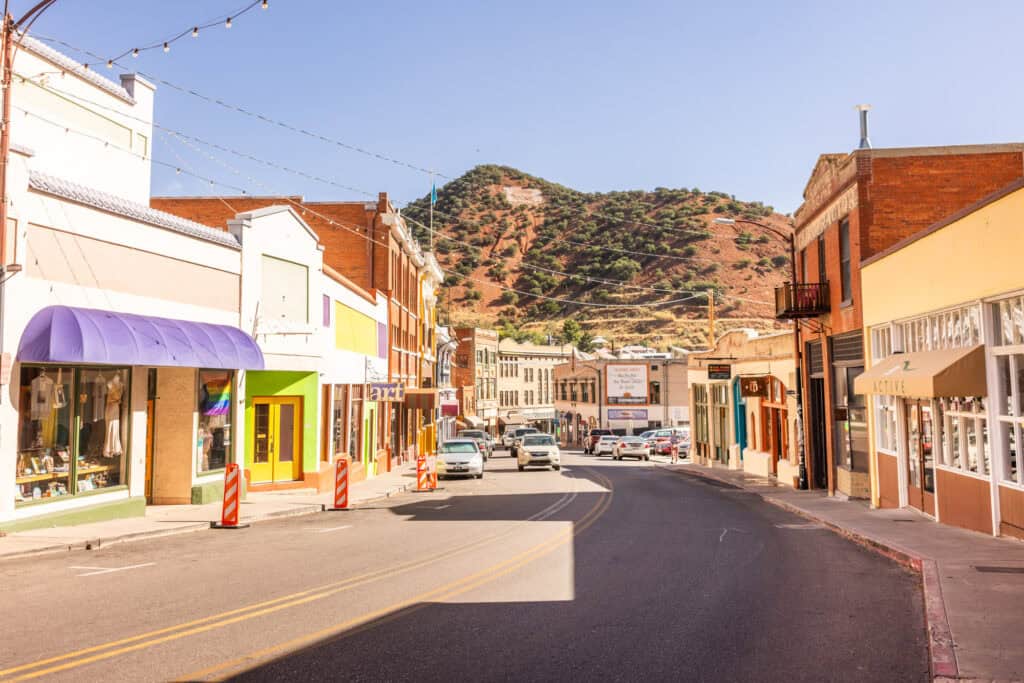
[[920, 455], [277, 439], [816, 431]]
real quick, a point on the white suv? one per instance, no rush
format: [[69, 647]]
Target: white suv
[[539, 450], [605, 445]]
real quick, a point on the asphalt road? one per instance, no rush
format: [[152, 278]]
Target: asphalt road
[[604, 571]]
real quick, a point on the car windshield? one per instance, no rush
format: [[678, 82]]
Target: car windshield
[[526, 430], [459, 447], [472, 434], [647, 435], [608, 437], [632, 440], [539, 440]]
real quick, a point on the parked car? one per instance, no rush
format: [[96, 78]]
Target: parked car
[[591, 442], [517, 437], [605, 444], [539, 450], [630, 447], [460, 457], [667, 439], [481, 437]]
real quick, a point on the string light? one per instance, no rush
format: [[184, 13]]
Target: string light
[[227, 24], [110, 63], [195, 32], [167, 47], [135, 53], [264, 4]]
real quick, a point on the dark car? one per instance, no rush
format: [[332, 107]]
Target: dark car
[[592, 439]]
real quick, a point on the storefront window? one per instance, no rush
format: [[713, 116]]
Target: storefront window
[[965, 440], [355, 421], [1010, 409], [72, 431], [213, 442]]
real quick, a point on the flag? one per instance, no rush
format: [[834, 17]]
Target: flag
[[433, 194]]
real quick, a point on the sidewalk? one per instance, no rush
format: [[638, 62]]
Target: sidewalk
[[973, 583], [163, 520]]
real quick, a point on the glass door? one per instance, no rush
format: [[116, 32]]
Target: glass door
[[920, 455]]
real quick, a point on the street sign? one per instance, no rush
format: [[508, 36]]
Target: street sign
[[387, 391], [719, 371]]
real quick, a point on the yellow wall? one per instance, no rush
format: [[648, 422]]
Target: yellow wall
[[975, 257], [354, 331]]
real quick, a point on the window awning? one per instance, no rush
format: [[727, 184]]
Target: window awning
[[472, 421], [66, 334], [927, 374], [512, 419]]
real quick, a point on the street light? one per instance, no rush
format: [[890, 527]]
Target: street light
[[790, 238]]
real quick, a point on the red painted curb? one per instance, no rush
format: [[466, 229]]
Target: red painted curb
[[941, 649]]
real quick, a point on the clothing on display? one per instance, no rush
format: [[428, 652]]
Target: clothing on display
[[112, 442]]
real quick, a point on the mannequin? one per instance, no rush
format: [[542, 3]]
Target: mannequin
[[112, 442]]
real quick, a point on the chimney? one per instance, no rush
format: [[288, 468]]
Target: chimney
[[865, 141]]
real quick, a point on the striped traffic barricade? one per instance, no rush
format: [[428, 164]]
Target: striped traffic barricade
[[340, 486], [232, 499]]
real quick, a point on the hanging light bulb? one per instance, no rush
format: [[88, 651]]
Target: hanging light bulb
[[135, 52], [177, 171], [110, 63], [265, 4], [227, 24], [167, 47], [195, 32], [85, 66]]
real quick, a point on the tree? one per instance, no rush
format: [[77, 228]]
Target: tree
[[571, 331], [585, 343]]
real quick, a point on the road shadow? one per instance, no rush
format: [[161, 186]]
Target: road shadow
[[657, 592]]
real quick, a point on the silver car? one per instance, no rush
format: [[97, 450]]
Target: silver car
[[460, 458], [539, 450], [631, 447], [605, 445]]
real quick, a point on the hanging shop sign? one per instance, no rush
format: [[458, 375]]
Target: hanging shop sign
[[387, 391], [719, 371], [754, 387]]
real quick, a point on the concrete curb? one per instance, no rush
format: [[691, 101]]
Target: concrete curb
[[941, 651], [96, 543]]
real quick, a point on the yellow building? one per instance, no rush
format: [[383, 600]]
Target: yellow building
[[743, 405], [944, 329]]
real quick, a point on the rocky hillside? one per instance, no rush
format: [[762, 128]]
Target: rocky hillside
[[524, 253]]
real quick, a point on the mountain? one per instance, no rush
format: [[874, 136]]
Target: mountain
[[522, 253]]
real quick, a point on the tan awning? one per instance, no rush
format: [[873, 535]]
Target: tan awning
[[471, 421], [512, 419], [927, 374]]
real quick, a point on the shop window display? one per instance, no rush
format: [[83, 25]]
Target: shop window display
[[73, 431], [214, 438]]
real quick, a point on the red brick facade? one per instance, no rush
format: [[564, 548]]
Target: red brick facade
[[886, 195]]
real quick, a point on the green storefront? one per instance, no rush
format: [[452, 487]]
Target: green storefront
[[281, 418]]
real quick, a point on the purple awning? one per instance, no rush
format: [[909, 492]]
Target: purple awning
[[65, 334]]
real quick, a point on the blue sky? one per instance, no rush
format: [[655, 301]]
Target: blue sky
[[733, 96]]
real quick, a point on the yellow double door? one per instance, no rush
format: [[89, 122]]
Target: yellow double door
[[277, 439]]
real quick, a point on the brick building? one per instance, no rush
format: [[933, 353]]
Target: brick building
[[476, 366], [525, 383], [368, 243], [857, 205]]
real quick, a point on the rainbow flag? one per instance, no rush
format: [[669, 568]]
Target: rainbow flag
[[215, 398]]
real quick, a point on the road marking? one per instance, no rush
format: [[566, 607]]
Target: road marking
[[333, 528], [809, 525], [108, 570], [450, 590], [724, 532], [442, 507], [204, 624]]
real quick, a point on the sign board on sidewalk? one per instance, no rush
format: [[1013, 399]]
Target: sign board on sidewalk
[[719, 371], [387, 391]]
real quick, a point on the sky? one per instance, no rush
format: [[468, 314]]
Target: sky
[[735, 96]]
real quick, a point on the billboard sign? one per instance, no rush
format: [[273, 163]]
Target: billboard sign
[[627, 414], [626, 384]]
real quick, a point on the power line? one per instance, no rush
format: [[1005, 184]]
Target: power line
[[256, 115]]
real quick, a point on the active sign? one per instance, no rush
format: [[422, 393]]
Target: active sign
[[719, 371], [754, 387], [387, 391]]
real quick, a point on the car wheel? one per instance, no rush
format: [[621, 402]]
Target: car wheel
[[647, 457], [521, 468], [556, 467], [480, 476]]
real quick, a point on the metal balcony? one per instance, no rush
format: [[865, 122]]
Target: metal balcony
[[801, 301]]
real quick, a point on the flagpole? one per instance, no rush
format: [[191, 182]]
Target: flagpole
[[433, 198]]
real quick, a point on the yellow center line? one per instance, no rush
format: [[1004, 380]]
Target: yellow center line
[[449, 590], [201, 625]]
